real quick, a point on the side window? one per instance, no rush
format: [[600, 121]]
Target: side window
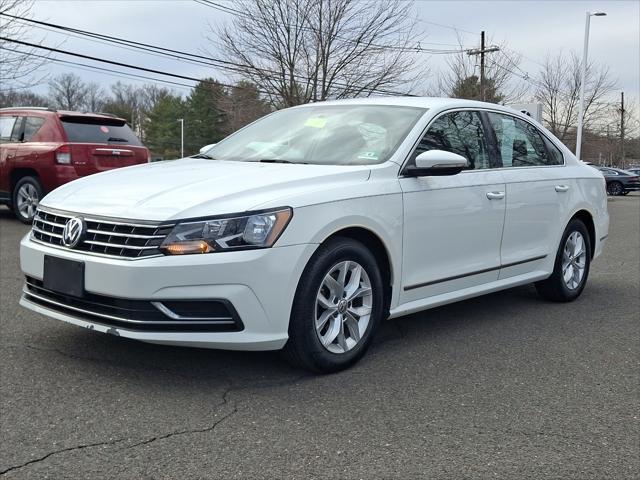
[[31, 127], [555, 155], [6, 127], [519, 143], [457, 132], [16, 133]]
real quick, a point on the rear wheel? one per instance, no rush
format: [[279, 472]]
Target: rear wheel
[[571, 267], [615, 188], [25, 198], [337, 308]]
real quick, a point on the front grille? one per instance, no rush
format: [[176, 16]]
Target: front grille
[[139, 315], [103, 236]]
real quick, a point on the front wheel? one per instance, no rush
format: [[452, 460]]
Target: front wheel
[[571, 267], [337, 308]]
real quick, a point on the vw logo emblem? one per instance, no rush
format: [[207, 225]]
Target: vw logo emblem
[[73, 232]]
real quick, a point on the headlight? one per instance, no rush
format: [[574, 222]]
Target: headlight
[[229, 232]]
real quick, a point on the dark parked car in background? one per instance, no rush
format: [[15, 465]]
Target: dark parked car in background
[[634, 170], [620, 182], [41, 149]]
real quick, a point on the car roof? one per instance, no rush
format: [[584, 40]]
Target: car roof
[[59, 113], [436, 103]]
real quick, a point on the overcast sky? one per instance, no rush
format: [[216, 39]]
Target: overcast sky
[[531, 28]]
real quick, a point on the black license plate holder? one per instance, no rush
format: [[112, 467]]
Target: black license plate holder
[[63, 276]]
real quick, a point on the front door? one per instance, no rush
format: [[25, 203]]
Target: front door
[[452, 224]]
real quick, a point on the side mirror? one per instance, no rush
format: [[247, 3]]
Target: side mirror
[[207, 147], [437, 163]]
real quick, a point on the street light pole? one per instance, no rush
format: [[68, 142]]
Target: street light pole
[[585, 56], [181, 120]]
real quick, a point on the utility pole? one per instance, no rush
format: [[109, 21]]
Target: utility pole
[[622, 128], [481, 51]]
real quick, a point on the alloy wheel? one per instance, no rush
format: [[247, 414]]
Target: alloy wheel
[[27, 200], [343, 307], [574, 260]]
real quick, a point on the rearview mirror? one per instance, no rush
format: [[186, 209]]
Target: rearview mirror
[[437, 162]]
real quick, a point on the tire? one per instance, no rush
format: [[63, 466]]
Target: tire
[[615, 189], [25, 197], [304, 348], [557, 288]]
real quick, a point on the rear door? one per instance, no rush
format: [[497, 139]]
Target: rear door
[[99, 143], [537, 192]]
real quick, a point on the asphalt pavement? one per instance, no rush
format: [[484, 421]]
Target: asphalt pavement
[[504, 386]]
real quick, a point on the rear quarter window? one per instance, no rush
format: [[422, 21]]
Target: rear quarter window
[[98, 130], [31, 127], [6, 127]]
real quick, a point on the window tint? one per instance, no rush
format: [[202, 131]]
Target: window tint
[[555, 155], [6, 127], [16, 133], [520, 144], [98, 130], [31, 127], [458, 132]]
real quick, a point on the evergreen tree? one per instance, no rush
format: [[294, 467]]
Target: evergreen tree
[[162, 127], [204, 118]]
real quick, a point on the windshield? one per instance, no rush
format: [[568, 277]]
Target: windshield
[[322, 135]]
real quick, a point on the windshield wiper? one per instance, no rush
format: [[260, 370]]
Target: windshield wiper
[[277, 160], [202, 155], [116, 139]]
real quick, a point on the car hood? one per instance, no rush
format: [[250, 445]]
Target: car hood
[[196, 187]]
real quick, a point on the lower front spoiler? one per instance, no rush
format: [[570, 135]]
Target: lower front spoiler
[[244, 340]]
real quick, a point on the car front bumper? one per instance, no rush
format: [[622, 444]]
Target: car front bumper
[[258, 284]]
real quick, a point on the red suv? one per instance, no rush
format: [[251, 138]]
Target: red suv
[[40, 149]]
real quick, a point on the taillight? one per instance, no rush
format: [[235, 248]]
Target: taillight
[[63, 154]]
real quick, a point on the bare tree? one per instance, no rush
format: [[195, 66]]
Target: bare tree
[[558, 89], [298, 51], [18, 64], [67, 91], [242, 105], [503, 84], [22, 98], [94, 97]]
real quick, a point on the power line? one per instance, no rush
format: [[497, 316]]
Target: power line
[[175, 54], [121, 64], [108, 71]]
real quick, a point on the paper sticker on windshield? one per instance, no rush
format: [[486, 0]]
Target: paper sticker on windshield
[[368, 155], [315, 122], [104, 129]]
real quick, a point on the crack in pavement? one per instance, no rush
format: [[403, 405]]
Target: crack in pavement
[[225, 401], [56, 452], [210, 428]]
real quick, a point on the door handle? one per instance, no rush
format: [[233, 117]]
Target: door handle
[[495, 195], [562, 188]]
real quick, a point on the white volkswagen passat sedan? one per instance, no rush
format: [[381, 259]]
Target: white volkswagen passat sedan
[[307, 228]]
